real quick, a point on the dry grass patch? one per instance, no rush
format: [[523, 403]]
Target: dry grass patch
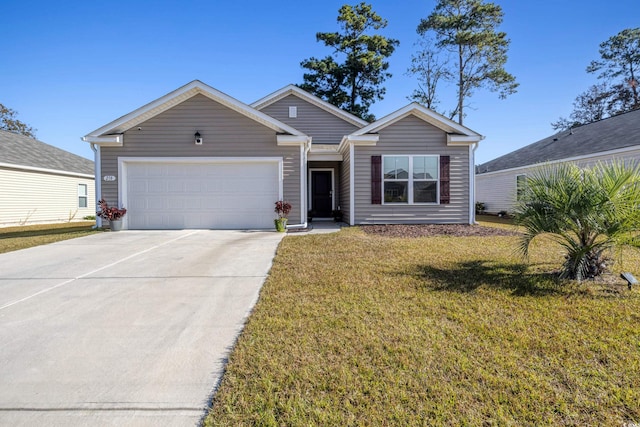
[[355, 329], [14, 238]]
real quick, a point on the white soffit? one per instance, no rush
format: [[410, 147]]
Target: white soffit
[[325, 152], [105, 141], [292, 139], [454, 139]]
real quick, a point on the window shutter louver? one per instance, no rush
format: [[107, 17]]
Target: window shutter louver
[[376, 178], [445, 198]]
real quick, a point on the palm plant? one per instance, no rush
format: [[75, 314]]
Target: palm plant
[[587, 211]]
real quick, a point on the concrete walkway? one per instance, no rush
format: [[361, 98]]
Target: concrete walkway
[[318, 227], [128, 329]]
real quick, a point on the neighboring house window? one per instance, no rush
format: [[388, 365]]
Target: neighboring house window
[[521, 185], [410, 179], [82, 195]]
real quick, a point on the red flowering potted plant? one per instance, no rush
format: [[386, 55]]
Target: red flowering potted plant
[[112, 214], [282, 209]]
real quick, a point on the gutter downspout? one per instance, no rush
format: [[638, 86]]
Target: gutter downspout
[[472, 183], [304, 150], [98, 182]]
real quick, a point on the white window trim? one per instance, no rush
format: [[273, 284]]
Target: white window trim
[[85, 196], [525, 183], [410, 180]]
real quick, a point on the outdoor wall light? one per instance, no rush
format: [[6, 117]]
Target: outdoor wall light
[[198, 138]]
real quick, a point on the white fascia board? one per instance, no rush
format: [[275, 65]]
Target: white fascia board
[[324, 147], [423, 113], [353, 139], [312, 99], [181, 94], [326, 157], [288, 140], [44, 170], [272, 97], [105, 141], [454, 139], [325, 152], [161, 104]]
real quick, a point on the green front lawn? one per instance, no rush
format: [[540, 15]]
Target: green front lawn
[[354, 329], [14, 238]]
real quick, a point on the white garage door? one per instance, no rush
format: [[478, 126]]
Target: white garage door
[[219, 195]]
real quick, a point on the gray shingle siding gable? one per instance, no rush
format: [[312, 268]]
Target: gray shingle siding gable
[[613, 133], [25, 151], [323, 126]]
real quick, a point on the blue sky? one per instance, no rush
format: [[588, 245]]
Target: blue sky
[[70, 67]]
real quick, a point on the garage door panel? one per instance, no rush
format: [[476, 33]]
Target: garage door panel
[[138, 185], [154, 185], [202, 195]]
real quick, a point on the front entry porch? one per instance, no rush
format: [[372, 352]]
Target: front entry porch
[[323, 185]]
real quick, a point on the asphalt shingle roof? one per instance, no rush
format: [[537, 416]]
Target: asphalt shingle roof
[[24, 151], [612, 133]]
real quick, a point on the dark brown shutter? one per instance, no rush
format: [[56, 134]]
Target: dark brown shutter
[[444, 180], [376, 178]]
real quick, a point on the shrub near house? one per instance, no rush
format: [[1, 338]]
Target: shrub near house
[[588, 211]]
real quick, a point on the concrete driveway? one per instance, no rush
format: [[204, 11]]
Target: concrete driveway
[[129, 328]]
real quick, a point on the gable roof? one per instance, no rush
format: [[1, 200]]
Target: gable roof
[[608, 134], [23, 152], [312, 99], [110, 132], [456, 133]]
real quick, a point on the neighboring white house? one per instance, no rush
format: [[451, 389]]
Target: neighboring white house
[[40, 183], [614, 138]]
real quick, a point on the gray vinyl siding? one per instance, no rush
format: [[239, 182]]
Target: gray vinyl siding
[[345, 188], [225, 132], [30, 197], [412, 136], [497, 190], [321, 125]]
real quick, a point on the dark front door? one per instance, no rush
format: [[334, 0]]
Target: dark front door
[[321, 194]]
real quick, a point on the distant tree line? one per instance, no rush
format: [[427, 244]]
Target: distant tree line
[[10, 123], [619, 66]]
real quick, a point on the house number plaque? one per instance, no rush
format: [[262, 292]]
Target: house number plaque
[[109, 178]]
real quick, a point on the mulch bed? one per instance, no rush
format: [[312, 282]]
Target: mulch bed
[[427, 230]]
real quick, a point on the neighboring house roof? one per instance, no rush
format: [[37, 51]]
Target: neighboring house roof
[[24, 152], [612, 133], [312, 99], [110, 132], [456, 133]]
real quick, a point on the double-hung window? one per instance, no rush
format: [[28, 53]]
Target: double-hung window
[[410, 179], [82, 195], [521, 186]]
